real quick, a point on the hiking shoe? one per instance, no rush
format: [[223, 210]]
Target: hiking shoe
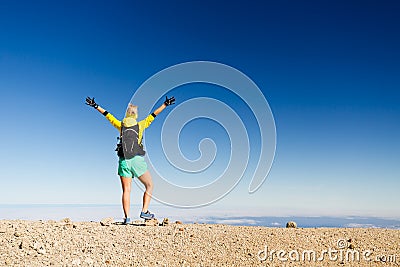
[[127, 220], [146, 215]]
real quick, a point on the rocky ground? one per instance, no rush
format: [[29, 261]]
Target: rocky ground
[[66, 243]]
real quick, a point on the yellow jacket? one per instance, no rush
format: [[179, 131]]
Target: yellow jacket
[[130, 121]]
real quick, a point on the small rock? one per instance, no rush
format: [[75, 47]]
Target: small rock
[[351, 246], [66, 221], [35, 245], [54, 244], [41, 250], [76, 262], [178, 222], [107, 221], [17, 234], [291, 224], [181, 229], [165, 222], [2, 231], [89, 261]]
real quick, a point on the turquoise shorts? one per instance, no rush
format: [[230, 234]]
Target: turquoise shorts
[[134, 167]]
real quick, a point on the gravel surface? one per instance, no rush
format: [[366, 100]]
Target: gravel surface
[[67, 243]]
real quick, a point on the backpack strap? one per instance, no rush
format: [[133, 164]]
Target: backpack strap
[[119, 148], [122, 126]]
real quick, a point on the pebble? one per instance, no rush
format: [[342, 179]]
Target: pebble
[[291, 224], [66, 221], [41, 250], [89, 261], [165, 222], [76, 262]]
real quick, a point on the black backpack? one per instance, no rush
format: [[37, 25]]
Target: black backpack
[[128, 145]]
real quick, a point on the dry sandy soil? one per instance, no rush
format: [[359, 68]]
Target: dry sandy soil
[[66, 243]]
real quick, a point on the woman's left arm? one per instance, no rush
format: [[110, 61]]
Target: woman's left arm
[[167, 102]]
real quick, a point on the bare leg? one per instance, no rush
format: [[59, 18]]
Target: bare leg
[[126, 183], [148, 184]]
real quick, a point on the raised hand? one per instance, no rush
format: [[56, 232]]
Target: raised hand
[[91, 102], [169, 101]]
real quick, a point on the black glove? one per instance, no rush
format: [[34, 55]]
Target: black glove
[[91, 102], [169, 101]]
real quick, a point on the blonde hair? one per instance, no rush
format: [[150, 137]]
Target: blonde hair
[[131, 111]]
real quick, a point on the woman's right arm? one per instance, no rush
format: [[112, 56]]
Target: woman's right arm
[[115, 122], [101, 110]]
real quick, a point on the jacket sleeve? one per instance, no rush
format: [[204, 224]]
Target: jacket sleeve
[[146, 122], [116, 123], [143, 124]]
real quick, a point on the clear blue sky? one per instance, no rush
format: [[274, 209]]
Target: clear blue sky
[[329, 70]]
